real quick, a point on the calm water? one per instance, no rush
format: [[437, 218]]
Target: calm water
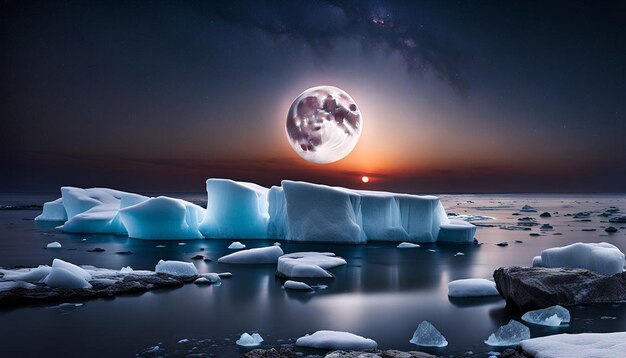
[[383, 293]]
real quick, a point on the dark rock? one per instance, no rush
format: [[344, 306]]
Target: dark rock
[[279, 352], [514, 353], [530, 288], [289, 352], [503, 243], [197, 257], [126, 284], [519, 241], [534, 234], [546, 227], [124, 252], [618, 220], [97, 249], [588, 230], [207, 260], [611, 229], [545, 214]]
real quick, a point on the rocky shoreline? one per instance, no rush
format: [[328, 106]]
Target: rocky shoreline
[[289, 352]]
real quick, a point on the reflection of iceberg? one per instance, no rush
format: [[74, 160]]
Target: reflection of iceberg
[[295, 211]]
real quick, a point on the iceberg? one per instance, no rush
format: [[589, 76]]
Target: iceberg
[[602, 257], [472, 287], [294, 211], [236, 246], [308, 264], [53, 245], [235, 210], [552, 316], [249, 340], [426, 335], [509, 335], [336, 340], [297, 285], [261, 255], [176, 268]]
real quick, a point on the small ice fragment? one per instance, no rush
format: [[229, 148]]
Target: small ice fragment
[[247, 340], [319, 287], [176, 268], [126, 269], [552, 316], [277, 243], [297, 285], [459, 254], [182, 243], [426, 335], [407, 245], [472, 287], [212, 277], [236, 246], [184, 340], [160, 246], [509, 335], [53, 245], [431, 250], [608, 317]]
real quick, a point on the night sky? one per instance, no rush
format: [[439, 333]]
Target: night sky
[[456, 96]]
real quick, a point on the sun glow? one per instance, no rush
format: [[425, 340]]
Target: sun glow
[[365, 179]]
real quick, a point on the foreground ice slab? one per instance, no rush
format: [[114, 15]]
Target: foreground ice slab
[[297, 285], [261, 255], [509, 335], [308, 264], [426, 335], [472, 287], [597, 345], [336, 340], [552, 316], [602, 257], [249, 340], [235, 210], [176, 268]]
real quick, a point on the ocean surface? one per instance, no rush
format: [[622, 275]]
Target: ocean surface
[[382, 293]]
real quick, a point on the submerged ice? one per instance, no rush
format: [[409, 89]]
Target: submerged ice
[[296, 211]]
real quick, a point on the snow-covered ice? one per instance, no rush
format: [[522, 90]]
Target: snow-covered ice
[[583, 345], [176, 268], [308, 264], [426, 335], [509, 335], [551, 316], [9, 285], [33, 275], [472, 287], [602, 257], [236, 246], [249, 340], [126, 269], [61, 277], [407, 245], [336, 340], [296, 285], [261, 255], [53, 245], [235, 210]]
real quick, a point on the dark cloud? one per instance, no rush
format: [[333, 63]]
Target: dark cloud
[[318, 23]]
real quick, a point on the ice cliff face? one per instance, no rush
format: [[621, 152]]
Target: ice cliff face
[[296, 211]]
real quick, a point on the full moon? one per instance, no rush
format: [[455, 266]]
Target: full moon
[[323, 124]]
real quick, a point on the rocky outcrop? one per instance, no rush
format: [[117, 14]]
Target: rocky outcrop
[[530, 288], [128, 284], [288, 352]]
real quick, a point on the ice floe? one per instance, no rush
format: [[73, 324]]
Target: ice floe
[[176, 268], [602, 257], [53, 245], [308, 264], [552, 316], [297, 285], [583, 345], [261, 255], [336, 340], [472, 287]]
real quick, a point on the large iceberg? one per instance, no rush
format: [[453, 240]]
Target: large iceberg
[[602, 257], [296, 211]]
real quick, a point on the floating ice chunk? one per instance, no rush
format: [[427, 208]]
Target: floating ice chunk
[[551, 316], [61, 277], [211, 277], [235, 209], [53, 211], [537, 261], [602, 257], [126, 269], [32, 275], [584, 345], [457, 231], [472, 287], [336, 340], [9, 285], [249, 340], [297, 285], [308, 264], [53, 245], [459, 254], [261, 255], [426, 335], [162, 218], [509, 335], [407, 245], [236, 246], [176, 268], [184, 340]]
